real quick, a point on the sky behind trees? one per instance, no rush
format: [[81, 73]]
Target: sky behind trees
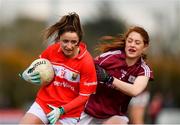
[[133, 11], [161, 18]]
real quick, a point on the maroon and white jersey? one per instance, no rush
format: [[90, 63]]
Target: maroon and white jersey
[[108, 101]]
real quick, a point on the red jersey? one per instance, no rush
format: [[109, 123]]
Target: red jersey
[[108, 101], [74, 77]]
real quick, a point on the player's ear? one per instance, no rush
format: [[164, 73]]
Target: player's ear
[[145, 47]]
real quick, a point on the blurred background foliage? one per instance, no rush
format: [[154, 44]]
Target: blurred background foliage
[[21, 42]]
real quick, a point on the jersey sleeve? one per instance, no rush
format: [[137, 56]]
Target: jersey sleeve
[[146, 71], [110, 60], [100, 59], [45, 54], [88, 80]]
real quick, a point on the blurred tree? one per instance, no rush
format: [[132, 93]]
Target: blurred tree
[[24, 34], [20, 44], [106, 23], [167, 72]]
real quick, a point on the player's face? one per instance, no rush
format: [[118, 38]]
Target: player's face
[[69, 44], [134, 46]]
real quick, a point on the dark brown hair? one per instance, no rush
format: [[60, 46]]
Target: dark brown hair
[[68, 23]]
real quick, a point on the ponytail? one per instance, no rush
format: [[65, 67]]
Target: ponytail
[[68, 23]]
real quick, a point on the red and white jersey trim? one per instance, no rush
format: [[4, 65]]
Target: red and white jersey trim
[[67, 74], [84, 94], [60, 64]]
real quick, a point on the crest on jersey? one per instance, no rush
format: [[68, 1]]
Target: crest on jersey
[[131, 78], [74, 76]]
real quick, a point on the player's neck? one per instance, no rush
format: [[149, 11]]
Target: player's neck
[[131, 61], [76, 52]]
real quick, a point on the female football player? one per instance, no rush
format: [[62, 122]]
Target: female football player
[[63, 99], [121, 73]]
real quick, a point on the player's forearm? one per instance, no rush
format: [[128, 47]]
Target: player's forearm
[[80, 100], [126, 88]]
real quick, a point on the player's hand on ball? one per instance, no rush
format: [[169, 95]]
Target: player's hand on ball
[[54, 115], [40, 72], [102, 76], [33, 77]]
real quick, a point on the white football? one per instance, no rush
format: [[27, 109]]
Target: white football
[[45, 69]]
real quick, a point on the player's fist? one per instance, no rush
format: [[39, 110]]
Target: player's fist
[[102, 76], [32, 77], [55, 113]]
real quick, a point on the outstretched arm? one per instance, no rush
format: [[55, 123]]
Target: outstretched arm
[[134, 89]]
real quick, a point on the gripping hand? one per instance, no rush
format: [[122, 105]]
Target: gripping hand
[[54, 115], [102, 76], [32, 77]]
